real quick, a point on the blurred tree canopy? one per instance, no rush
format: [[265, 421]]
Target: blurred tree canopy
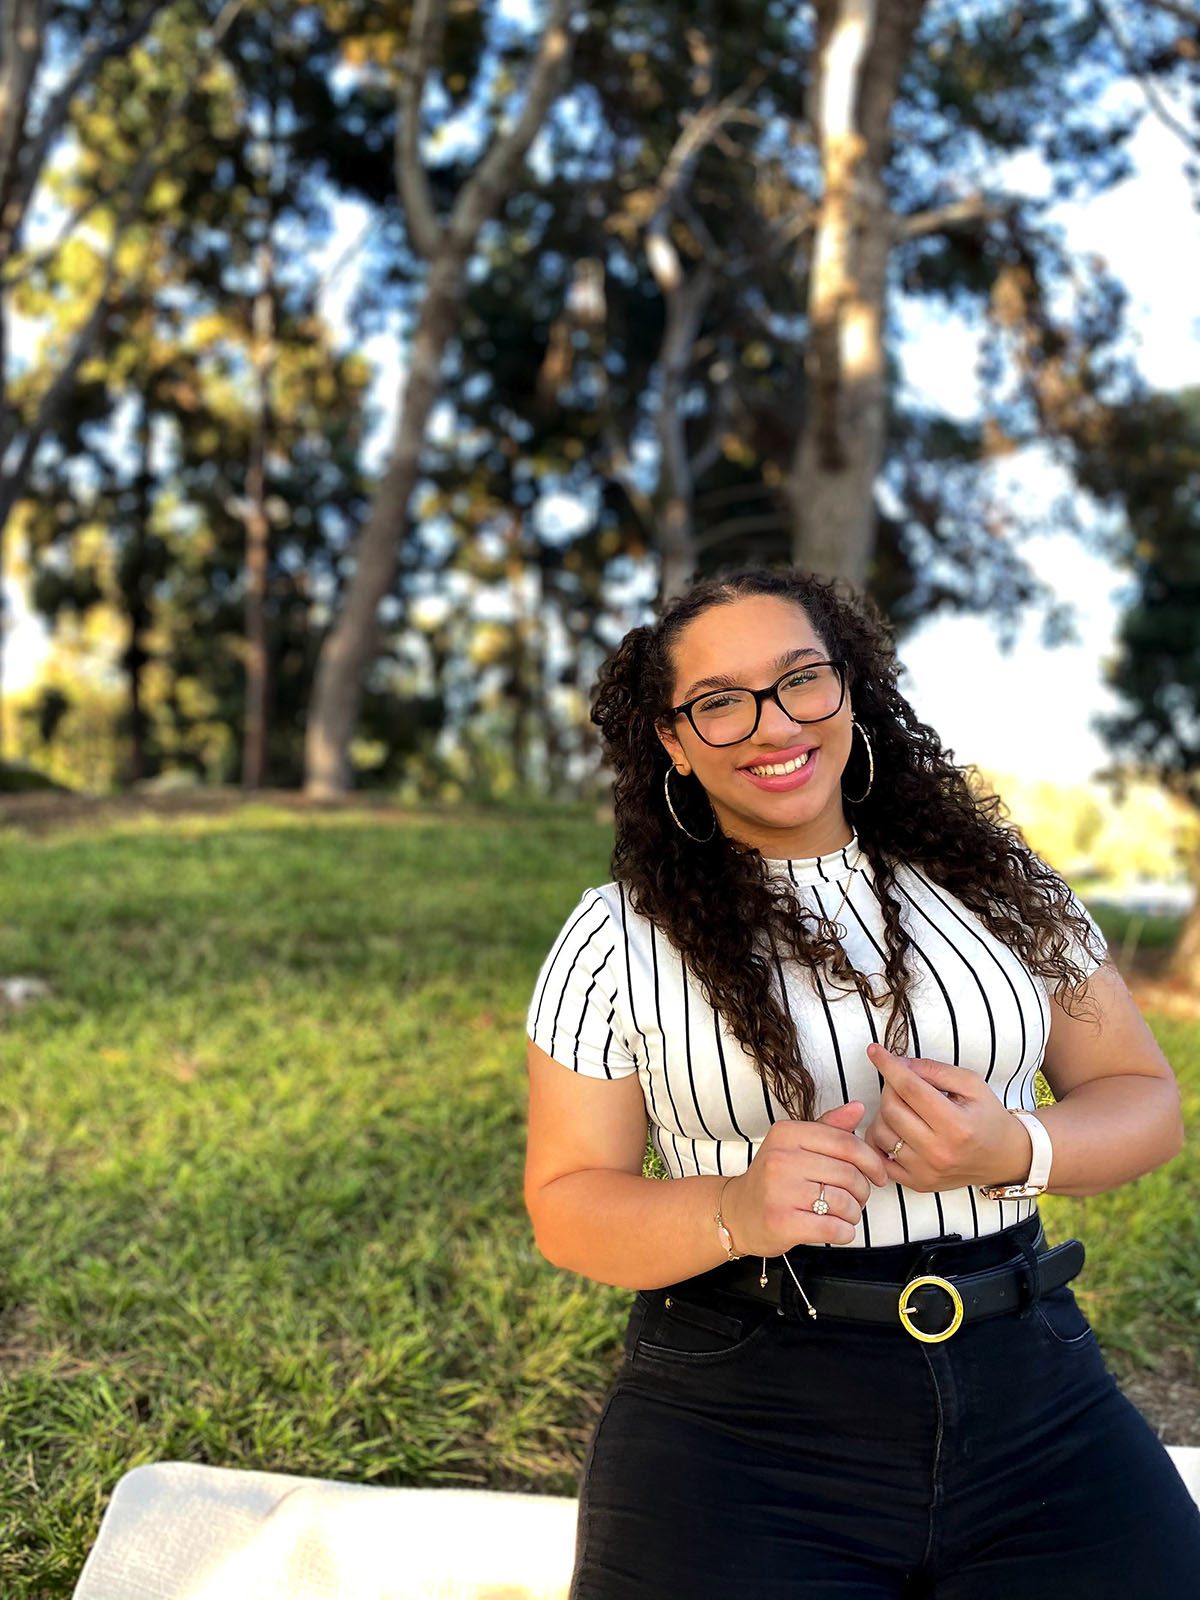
[[631, 282]]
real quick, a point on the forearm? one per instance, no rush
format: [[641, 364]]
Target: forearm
[[1111, 1129], [637, 1233]]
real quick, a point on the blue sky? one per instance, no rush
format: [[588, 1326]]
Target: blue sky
[[1026, 712]]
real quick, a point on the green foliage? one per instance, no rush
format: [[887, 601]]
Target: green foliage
[[1148, 465], [137, 509], [261, 1166], [1086, 830], [137, 523]]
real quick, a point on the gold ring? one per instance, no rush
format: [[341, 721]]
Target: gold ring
[[895, 1147], [820, 1205]]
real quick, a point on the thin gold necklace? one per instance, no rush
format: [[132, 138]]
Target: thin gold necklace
[[850, 871]]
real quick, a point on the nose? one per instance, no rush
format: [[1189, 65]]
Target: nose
[[775, 726]]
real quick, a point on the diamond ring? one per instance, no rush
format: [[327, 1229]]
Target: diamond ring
[[893, 1150], [820, 1205]]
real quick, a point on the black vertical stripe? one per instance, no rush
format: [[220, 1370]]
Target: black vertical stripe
[[974, 974], [562, 994], [916, 1038], [562, 944], [687, 1041], [725, 1081], [933, 890], [846, 1095], [662, 1034], [829, 1023], [608, 1024], [629, 983], [937, 978], [1004, 1098], [583, 1011], [602, 1008]]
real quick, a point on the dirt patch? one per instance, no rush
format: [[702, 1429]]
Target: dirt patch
[[1168, 1398], [1171, 996], [45, 812]]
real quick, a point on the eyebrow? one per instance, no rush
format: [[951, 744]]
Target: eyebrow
[[724, 681]]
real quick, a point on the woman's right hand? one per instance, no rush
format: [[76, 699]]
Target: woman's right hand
[[768, 1208]]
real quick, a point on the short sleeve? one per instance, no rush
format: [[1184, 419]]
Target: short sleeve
[[575, 1010]]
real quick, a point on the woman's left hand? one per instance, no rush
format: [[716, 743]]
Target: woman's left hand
[[954, 1127]]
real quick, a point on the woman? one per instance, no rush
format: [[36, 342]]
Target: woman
[[825, 973]]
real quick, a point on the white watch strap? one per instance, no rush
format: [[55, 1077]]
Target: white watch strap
[[1039, 1170]]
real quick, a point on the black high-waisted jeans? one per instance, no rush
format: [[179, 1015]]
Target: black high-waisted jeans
[[745, 1453]]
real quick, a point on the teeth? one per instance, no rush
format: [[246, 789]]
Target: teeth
[[778, 771]]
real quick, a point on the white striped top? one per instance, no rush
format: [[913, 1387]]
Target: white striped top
[[613, 997]]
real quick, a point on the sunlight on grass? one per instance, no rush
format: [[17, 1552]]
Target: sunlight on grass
[[260, 1179]]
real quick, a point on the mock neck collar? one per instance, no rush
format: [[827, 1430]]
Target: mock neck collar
[[835, 866]]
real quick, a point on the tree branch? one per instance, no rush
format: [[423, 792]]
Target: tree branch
[[480, 195], [148, 167], [958, 214], [765, 522], [50, 406], [1183, 13], [1188, 136], [412, 184], [32, 157], [20, 55]]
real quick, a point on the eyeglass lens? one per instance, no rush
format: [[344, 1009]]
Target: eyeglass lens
[[807, 694]]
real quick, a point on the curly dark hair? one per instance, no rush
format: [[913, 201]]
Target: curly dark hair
[[716, 902]]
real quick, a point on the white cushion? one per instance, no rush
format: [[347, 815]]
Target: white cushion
[[1187, 1458], [173, 1531]]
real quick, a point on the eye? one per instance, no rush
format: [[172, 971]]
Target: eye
[[717, 702], [796, 679]]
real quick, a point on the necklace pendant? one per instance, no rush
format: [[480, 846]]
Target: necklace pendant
[[762, 1282]]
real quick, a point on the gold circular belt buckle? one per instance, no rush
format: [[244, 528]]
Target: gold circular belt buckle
[[906, 1310]]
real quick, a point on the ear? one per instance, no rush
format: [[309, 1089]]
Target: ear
[[670, 744]]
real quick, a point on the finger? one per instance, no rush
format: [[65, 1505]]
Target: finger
[[883, 1136], [811, 1228], [846, 1116], [841, 1202], [820, 1137], [958, 1082], [818, 1169], [928, 1103], [906, 1176], [907, 1125]]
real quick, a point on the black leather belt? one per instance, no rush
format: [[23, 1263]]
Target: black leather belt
[[948, 1301]]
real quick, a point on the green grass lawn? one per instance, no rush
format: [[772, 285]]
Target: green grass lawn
[[261, 1157]]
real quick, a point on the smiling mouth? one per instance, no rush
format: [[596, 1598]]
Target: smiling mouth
[[776, 769]]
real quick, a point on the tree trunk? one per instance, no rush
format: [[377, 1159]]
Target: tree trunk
[[138, 597], [258, 533], [337, 689], [861, 51], [1184, 963], [350, 645], [521, 686]]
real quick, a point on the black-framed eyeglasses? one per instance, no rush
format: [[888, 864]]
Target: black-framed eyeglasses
[[810, 692]]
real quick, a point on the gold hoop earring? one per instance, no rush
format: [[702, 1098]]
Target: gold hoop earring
[[670, 807], [870, 763]]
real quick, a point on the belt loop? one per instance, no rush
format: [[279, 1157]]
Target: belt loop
[[925, 1259], [1032, 1275]]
